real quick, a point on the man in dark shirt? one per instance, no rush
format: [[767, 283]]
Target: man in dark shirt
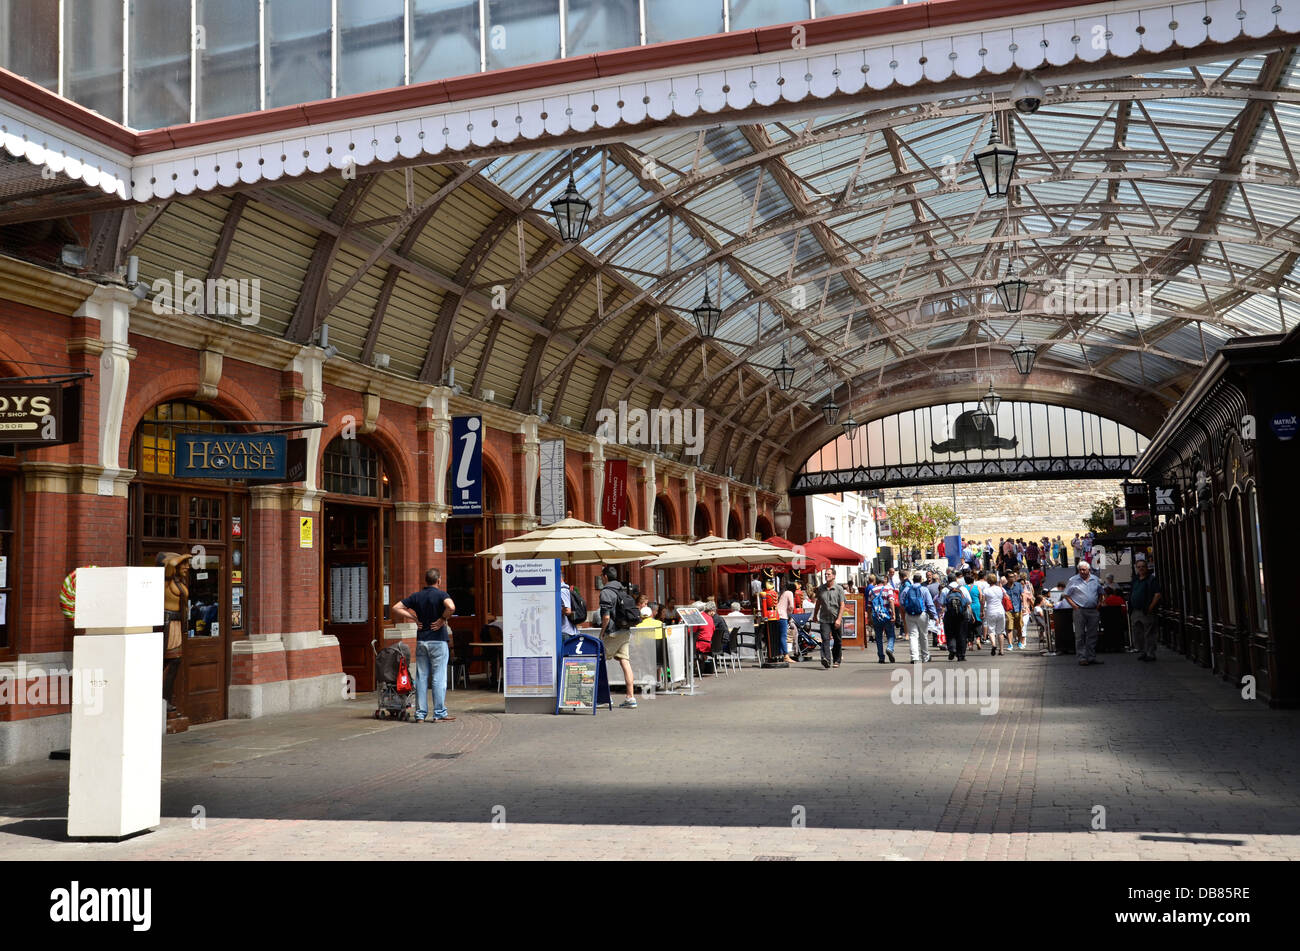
[[617, 636], [1142, 603], [430, 608]]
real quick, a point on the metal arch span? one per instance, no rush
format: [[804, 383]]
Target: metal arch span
[[864, 478], [958, 441]]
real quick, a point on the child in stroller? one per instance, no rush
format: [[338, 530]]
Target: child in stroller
[[388, 701], [806, 644]]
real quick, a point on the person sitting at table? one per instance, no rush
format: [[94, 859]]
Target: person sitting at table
[[721, 630], [1112, 599], [703, 634]]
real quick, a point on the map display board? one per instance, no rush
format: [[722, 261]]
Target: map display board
[[530, 607]]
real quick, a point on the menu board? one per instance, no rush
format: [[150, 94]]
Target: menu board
[[349, 601], [690, 617], [578, 685]]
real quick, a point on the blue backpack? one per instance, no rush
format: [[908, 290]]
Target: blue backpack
[[880, 607], [913, 600]]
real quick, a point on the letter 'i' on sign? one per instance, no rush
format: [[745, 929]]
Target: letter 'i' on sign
[[467, 465]]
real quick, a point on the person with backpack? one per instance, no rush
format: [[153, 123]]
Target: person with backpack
[[917, 607], [573, 609], [882, 601], [618, 615], [955, 603]]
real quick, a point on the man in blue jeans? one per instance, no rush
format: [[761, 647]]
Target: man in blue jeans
[[882, 603], [430, 608]]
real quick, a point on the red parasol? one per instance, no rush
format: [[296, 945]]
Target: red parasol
[[824, 549]]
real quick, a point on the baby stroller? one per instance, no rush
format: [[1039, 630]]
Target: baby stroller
[[806, 644], [388, 702]]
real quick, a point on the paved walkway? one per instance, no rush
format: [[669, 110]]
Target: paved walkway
[[1125, 760]]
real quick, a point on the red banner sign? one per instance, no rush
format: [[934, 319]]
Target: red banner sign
[[613, 508]]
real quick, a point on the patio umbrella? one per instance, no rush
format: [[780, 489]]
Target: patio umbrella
[[712, 551], [823, 548], [648, 537], [575, 543]]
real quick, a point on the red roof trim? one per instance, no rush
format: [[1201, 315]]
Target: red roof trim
[[702, 50]]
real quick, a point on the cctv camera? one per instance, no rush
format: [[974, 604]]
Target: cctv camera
[[1027, 94]]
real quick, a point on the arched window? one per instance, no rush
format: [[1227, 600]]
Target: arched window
[[352, 467], [153, 451], [702, 522], [661, 518]]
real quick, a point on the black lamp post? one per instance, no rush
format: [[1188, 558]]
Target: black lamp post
[[571, 211]]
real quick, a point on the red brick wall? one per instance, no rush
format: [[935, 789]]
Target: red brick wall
[[252, 669], [43, 689], [313, 662]]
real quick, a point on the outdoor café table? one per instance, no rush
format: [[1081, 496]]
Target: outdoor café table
[[492, 660]]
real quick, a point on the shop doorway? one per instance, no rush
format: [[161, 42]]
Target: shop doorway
[[353, 612], [203, 519], [195, 523], [357, 554]]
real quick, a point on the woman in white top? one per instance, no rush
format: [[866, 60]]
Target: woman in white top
[[995, 616], [784, 608]]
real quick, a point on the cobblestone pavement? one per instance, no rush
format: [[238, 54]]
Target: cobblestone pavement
[[1125, 760]]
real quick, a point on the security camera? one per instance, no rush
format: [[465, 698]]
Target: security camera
[[1027, 94]]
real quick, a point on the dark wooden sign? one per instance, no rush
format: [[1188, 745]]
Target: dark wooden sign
[[34, 415]]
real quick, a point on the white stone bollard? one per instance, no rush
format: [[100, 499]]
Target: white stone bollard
[[115, 775]]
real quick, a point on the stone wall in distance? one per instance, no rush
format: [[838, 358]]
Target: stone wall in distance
[[1026, 510]]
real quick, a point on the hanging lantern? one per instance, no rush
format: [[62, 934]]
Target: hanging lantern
[[830, 410], [571, 211], [707, 317], [996, 163], [991, 402], [1024, 356], [850, 427], [1012, 290], [980, 418], [784, 374]]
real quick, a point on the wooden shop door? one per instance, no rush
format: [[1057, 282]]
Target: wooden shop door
[[351, 588]]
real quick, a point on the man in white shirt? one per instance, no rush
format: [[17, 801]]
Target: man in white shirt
[[1083, 592]]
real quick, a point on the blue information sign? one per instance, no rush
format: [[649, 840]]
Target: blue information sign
[[230, 456], [467, 465]]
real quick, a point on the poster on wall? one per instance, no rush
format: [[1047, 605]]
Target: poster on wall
[[467, 465], [613, 507], [530, 608], [552, 481]]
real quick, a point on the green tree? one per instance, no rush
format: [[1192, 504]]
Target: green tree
[[1102, 518], [923, 529]]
